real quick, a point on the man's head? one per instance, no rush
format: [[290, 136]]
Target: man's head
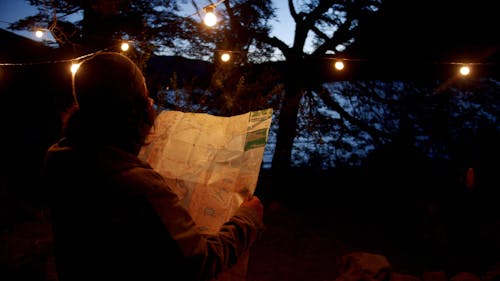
[[113, 106]]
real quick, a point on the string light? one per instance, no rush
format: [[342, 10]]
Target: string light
[[39, 33], [225, 57], [43, 33], [339, 65], [464, 70], [74, 67], [210, 18], [124, 46]]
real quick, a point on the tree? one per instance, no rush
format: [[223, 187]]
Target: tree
[[333, 27], [318, 18], [244, 30], [81, 27]]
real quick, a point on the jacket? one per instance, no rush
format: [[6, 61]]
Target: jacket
[[115, 218]]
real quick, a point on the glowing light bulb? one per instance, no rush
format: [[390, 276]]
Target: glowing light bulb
[[74, 67], [464, 70], [38, 34], [210, 18], [339, 65], [125, 46], [225, 57]]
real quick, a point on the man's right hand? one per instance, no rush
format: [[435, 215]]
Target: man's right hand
[[254, 203]]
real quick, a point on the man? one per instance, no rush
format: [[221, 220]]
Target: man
[[114, 217]]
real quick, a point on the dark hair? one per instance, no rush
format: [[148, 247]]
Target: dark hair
[[112, 103]]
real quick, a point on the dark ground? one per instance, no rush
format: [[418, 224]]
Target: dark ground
[[320, 217], [405, 218]]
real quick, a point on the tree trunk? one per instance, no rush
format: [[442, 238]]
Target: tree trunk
[[287, 130]]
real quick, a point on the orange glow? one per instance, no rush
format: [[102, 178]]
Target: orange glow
[[210, 18], [339, 65], [125, 46], [464, 70], [225, 57], [74, 67]]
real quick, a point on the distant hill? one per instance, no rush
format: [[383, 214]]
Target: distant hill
[[16, 48], [160, 70]]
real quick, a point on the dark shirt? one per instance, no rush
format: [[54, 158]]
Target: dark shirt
[[115, 218]]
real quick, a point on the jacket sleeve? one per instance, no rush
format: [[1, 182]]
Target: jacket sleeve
[[207, 254]]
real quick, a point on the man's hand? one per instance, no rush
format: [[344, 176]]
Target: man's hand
[[254, 203]]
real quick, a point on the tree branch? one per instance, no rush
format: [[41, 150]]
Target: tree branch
[[325, 95]]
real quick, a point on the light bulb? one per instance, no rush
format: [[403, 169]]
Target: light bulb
[[74, 67], [339, 65], [210, 18], [225, 57], [464, 70], [125, 46]]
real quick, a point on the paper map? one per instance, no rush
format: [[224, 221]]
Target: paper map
[[211, 162]]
